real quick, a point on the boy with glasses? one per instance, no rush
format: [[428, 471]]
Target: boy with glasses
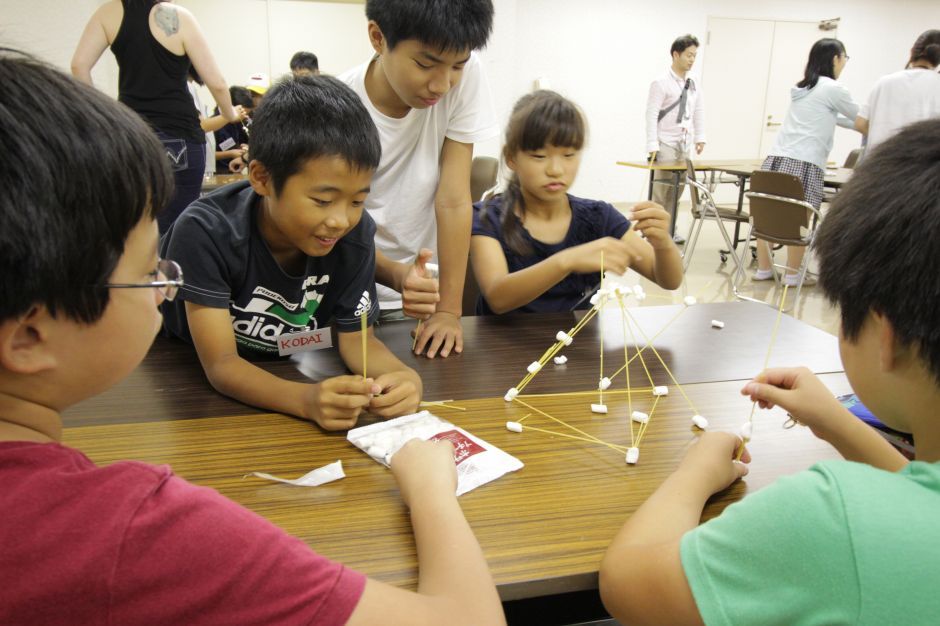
[[131, 543]]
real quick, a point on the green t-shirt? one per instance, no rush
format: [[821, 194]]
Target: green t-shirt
[[842, 543]]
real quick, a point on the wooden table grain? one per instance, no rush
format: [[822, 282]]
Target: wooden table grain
[[544, 528]]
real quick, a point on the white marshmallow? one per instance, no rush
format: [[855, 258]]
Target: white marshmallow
[[622, 290], [604, 384], [563, 336], [689, 300], [633, 455], [661, 390], [639, 416], [746, 431], [594, 299], [598, 408], [718, 324], [603, 292], [640, 295], [515, 427], [511, 394], [700, 421], [534, 367], [561, 360]]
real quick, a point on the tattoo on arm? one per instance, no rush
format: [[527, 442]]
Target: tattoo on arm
[[167, 19]]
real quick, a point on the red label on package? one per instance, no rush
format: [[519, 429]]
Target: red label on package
[[464, 448]]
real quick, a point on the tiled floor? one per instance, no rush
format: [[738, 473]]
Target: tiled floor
[[709, 280]]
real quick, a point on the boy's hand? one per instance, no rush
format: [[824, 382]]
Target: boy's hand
[[652, 221], [442, 331], [425, 470], [420, 290], [336, 403], [619, 255], [799, 393], [400, 394], [710, 463]]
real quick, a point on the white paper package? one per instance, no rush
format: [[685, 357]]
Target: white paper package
[[478, 462]]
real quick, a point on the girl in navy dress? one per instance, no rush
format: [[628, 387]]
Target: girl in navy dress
[[537, 248]]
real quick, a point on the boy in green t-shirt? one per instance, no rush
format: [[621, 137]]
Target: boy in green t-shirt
[[852, 541]]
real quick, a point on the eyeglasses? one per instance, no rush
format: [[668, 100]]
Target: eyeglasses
[[169, 278]]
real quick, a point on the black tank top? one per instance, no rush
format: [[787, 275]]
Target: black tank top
[[151, 79]]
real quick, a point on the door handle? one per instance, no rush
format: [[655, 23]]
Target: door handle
[[772, 124]]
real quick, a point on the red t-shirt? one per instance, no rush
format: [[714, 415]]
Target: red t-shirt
[[131, 543]]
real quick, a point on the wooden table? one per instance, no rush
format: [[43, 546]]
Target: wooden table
[[544, 528]]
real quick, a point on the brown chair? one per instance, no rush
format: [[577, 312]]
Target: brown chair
[[483, 171], [850, 162], [705, 208], [779, 215]]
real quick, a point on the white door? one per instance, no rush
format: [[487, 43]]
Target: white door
[[791, 45], [749, 67]]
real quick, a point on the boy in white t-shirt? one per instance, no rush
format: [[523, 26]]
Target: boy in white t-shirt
[[427, 94], [904, 97]]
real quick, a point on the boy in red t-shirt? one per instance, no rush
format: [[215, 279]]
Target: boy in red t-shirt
[[131, 543]]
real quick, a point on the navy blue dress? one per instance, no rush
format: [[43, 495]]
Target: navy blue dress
[[590, 220]]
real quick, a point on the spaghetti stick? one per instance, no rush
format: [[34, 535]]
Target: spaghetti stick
[[612, 446], [364, 327], [562, 422], [770, 347], [643, 390], [443, 403], [665, 367], [599, 378]]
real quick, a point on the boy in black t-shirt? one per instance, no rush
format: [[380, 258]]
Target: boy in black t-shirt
[[271, 263]]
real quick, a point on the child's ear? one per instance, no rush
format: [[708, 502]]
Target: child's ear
[[376, 38], [887, 343], [260, 178], [25, 343]]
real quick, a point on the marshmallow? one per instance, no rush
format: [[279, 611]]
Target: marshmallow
[[511, 394], [515, 427], [633, 455], [594, 299], [561, 360], [639, 416], [700, 421], [534, 367], [661, 390], [563, 336], [603, 384], [598, 408], [718, 324], [689, 300], [603, 292], [746, 431]]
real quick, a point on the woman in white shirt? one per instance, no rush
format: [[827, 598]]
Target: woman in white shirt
[[802, 147], [904, 97]]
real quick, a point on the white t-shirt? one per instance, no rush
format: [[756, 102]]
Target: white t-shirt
[[402, 197], [900, 99]]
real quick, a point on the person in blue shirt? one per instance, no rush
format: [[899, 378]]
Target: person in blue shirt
[[537, 248], [802, 147]]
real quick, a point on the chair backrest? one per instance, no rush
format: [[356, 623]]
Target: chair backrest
[[852, 159], [778, 184], [693, 189], [483, 171], [777, 208]]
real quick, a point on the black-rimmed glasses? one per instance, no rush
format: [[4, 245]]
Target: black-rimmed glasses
[[168, 275]]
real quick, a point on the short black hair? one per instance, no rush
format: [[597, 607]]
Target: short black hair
[[80, 172], [877, 247], [819, 62], [240, 96], [304, 61], [452, 25], [307, 117], [683, 42]]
